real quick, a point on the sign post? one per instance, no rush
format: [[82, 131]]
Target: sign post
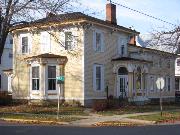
[[160, 85], [60, 80]]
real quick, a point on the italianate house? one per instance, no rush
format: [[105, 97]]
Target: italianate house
[[94, 56]]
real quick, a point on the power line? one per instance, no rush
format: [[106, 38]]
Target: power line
[[143, 13]]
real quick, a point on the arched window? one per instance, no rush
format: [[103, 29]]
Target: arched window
[[122, 71], [138, 78]]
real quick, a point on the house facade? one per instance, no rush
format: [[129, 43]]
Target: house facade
[[6, 64], [177, 74], [93, 55]]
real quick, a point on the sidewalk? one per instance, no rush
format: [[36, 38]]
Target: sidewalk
[[94, 118]]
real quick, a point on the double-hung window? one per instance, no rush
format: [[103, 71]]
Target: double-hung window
[[68, 40], [45, 42], [35, 78], [24, 44], [178, 62], [51, 77], [152, 83], [98, 77], [98, 44], [169, 84]]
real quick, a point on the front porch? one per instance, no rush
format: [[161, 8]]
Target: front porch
[[131, 80]]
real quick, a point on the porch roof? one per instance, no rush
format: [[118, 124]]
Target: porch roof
[[43, 58], [130, 59], [46, 55]]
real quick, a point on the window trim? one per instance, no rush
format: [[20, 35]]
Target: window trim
[[102, 77], [29, 43], [101, 40], [72, 41], [47, 79], [35, 78], [48, 43]]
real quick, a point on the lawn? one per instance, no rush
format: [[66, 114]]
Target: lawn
[[137, 109], [39, 117], [166, 117], [50, 110]]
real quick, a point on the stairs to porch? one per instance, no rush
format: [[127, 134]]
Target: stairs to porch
[[139, 100]]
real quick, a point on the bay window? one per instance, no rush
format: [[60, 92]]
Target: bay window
[[35, 78], [51, 77]]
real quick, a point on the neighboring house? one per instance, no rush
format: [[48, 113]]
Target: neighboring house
[[92, 54], [177, 74], [146, 40], [6, 64]]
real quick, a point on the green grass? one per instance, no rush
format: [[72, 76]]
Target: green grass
[[39, 117], [137, 109], [51, 110], [166, 117]]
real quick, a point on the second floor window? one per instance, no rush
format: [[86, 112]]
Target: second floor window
[[24, 44], [122, 50], [98, 44], [45, 42], [68, 40]]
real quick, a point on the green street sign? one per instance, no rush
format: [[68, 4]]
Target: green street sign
[[60, 78]]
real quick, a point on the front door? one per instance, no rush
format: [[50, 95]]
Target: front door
[[122, 88]]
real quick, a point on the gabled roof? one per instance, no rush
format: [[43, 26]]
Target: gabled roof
[[75, 16]]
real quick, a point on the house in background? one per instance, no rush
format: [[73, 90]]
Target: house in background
[[6, 64], [146, 40], [92, 54]]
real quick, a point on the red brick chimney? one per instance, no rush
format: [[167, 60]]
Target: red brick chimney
[[111, 13], [132, 40]]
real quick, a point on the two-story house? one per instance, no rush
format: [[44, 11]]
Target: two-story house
[[92, 54], [6, 64]]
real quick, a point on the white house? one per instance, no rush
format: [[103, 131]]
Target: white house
[[6, 64]]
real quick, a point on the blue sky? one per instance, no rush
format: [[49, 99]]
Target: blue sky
[[168, 10]]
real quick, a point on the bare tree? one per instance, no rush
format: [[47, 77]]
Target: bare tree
[[168, 41], [14, 12]]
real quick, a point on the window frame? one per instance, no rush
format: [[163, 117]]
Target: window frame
[[95, 77], [169, 84], [47, 44], [36, 78], [152, 83], [28, 43], [67, 47], [51, 78], [101, 41], [178, 62]]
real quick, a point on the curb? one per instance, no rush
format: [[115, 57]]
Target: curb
[[34, 121]]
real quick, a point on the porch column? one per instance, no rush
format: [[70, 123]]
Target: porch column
[[42, 83], [130, 84]]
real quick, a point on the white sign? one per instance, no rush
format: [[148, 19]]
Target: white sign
[[160, 83]]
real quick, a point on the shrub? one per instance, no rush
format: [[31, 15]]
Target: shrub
[[5, 99], [73, 103], [100, 105]]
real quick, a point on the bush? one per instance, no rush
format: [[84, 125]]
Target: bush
[[100, 105], [73, 103], [5, 99]]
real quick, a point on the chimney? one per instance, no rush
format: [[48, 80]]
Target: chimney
[[132, 40], [111, 13]]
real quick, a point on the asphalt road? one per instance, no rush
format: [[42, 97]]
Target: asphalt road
[[14, 129]]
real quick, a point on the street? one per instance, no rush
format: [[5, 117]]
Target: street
[[16, 129]]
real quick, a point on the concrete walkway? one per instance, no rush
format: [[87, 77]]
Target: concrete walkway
[[94, 118]]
